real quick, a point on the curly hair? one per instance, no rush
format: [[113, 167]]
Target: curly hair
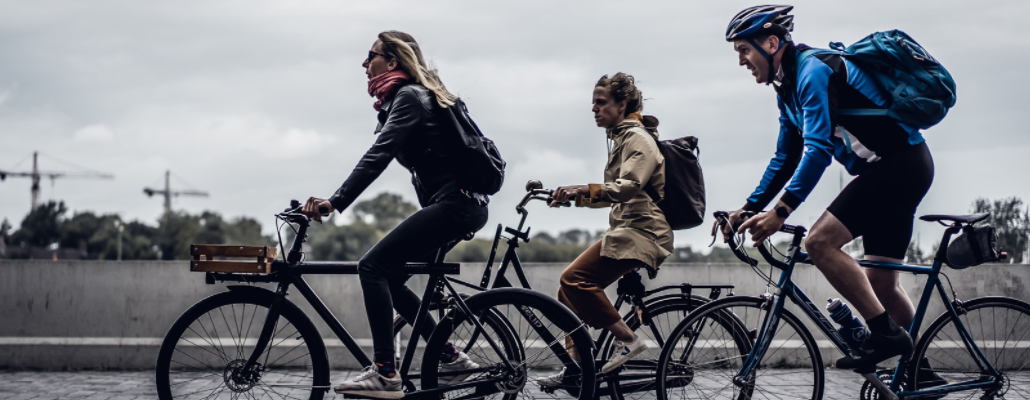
[[623, 87]]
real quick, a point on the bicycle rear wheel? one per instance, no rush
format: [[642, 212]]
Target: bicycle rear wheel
[[204, 351], [999, 326], [531, 346], [707, 349], [636, 380]]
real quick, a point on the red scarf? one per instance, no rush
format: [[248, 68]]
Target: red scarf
[[384, 85]]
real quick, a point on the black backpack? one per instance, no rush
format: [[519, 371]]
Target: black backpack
[[684, 202], [479, 163]]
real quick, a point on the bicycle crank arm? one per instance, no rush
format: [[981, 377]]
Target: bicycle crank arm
[[880, 387]]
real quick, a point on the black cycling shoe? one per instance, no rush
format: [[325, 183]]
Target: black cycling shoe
[[877, 348]]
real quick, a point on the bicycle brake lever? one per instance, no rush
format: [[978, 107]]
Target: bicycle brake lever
[[718, 230]]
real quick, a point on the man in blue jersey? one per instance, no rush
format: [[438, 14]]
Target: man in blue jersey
[[893, 166]]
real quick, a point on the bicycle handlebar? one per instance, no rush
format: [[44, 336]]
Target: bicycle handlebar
[[723, 219], [533, 193]]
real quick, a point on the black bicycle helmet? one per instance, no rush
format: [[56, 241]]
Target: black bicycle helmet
[[762, 20]]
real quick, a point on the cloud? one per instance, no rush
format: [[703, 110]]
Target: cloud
[[233, 96], [95, 134]]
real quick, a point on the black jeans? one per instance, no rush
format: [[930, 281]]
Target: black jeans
[[415, 239]]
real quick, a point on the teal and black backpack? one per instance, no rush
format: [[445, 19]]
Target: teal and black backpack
[[921, 89]]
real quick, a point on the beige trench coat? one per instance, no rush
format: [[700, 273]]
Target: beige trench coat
[[637, 227]]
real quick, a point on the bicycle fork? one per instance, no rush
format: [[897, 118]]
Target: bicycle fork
[[249, 370], [746, 376]]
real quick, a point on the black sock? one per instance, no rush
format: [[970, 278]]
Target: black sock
[[882, 325], [386, 366], [449, 354]]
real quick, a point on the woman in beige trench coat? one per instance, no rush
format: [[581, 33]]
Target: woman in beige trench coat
[[638, 234]]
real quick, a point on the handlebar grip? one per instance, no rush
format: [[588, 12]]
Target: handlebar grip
[[565, 204], [323, 210]]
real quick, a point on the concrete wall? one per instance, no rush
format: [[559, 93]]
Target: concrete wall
[[93, 314]]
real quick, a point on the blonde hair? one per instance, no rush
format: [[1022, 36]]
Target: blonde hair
[[403, 48]]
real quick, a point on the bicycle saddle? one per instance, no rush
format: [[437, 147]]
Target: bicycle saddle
[[965, 219]]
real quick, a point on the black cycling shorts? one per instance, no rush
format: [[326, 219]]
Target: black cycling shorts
[[880, 204]]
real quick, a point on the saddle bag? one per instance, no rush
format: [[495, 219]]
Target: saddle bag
[[976, 245]]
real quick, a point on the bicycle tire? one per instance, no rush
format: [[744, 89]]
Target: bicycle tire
[[528, 353], [1000, 327], [708, 348], [194, 362], [636, 379], [402, 332]]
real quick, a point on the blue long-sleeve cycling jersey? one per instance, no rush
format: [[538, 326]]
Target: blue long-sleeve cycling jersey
[[812, 135]]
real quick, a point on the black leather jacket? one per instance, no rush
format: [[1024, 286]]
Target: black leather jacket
[[412, 128]]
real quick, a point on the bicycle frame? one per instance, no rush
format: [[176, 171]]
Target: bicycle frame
[[290, 272], [786, 289], [510, 259]]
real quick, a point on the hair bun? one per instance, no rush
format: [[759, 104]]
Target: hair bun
[[623, 87]]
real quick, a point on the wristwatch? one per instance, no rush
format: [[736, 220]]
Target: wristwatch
[[782, 212]]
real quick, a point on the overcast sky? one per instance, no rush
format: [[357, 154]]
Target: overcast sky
[[261, 102]]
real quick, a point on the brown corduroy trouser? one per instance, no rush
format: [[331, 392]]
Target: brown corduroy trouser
[[583, 283]]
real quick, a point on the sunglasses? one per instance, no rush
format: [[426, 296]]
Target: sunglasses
[[372, 54]]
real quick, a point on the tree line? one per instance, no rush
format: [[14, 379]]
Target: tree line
[[50, 232]]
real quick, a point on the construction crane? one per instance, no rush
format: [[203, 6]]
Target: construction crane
[[168, 192], [36, 175]]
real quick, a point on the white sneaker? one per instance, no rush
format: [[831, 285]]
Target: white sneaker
[[371, 384], [451, 372], [551, 380], [624, 352]]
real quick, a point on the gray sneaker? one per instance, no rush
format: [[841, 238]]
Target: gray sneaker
[[452, 372], [624, 352], [371, 384], [551, 380]]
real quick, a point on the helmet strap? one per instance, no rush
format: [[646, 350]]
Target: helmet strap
[[768, 58]]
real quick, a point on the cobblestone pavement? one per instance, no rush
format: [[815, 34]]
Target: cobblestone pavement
[[121, 385]]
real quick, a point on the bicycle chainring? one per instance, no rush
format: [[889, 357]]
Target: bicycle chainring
[[869, 392]]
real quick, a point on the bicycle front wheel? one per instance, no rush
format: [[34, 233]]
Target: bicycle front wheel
[[522, 360], [1000, 328], [706, 351], [203, 354]]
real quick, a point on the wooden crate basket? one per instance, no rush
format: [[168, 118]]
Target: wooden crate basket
[[238, 259]]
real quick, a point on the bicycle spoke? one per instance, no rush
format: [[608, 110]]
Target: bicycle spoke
[[198, 367]]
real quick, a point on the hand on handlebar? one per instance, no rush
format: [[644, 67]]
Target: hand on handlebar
[[727, 230], [564, 194], [762, 226], [316, 208]]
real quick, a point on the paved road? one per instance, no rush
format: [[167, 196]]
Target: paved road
[[139, 385]]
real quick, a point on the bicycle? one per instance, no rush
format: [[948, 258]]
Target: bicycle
[[659, 309], [214, 350], [780, 358]]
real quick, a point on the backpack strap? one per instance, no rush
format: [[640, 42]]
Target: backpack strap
[[650, 190], [838, 48]]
